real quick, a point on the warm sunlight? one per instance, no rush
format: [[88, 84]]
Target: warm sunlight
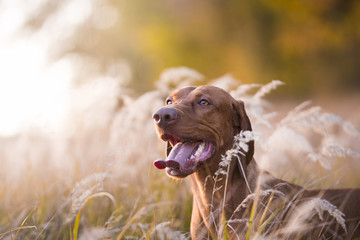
[[34, 91], [31, 92], [90, 150]]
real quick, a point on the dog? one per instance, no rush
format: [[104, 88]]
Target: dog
[[199, 125]]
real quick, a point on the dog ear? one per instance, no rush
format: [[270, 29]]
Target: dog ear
[[168, 148], [242, 123]]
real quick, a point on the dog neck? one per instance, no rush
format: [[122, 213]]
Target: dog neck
[[213, 194]]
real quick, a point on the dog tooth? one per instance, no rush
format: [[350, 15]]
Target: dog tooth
[[200, 149]]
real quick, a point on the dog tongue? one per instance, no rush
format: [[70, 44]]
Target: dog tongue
[[178, 157]]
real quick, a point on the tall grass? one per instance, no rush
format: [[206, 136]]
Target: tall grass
[[94, 178]]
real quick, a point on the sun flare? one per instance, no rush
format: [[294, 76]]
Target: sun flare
[[34, 92], [31, 91]]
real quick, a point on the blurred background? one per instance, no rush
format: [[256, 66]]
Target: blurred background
[[79, 80], [49, 47]]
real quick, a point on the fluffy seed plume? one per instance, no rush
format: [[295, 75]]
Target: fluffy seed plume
[[321, 206], [301, 220], [264, 193], [164, 231], [320, 159], [85, 188], [239, 145], [268, 88], [339, 151]]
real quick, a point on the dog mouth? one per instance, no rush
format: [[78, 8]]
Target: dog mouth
[[185, 156]]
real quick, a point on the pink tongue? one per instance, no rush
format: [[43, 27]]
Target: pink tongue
[[161, 164], [178, 157]]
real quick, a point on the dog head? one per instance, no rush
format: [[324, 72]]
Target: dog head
[[199, 125]]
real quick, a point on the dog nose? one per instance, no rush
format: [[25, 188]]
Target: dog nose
[[164, 116]]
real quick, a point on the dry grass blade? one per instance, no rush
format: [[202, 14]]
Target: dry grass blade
[[150, 230], [99, 153], [78, 215], [23, 222], [130, 221], [2, 235], [76, 225], [249, 231], [135, 216]]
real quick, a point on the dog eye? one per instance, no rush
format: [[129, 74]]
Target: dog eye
[[204, 102], [168, 102]]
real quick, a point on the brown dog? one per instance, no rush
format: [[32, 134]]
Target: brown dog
[[199, 125]]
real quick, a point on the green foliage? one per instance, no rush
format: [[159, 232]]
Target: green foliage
[[311, 45], [314, 46]]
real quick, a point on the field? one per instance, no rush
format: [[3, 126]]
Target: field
[[93, 177]]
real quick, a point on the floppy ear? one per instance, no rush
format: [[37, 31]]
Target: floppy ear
[[168, 148], [242, 123]]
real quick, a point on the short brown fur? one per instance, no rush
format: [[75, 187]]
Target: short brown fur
[[220, 122]]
